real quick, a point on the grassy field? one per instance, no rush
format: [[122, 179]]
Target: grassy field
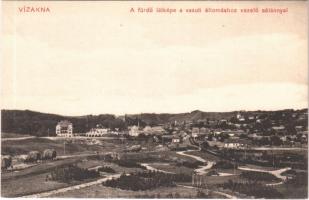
[[17, 183], [71, 146], [13, 135], [204, 155], [38, 169], [172, 168], [99, 191], [118, 169], [293, 192], [28, 185], [32, 180]]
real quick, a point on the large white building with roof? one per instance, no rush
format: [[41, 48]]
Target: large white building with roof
[[64, 128]]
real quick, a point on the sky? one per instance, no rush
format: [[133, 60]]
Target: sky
[[97, 57]]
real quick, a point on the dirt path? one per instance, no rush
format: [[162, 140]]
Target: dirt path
[[276, 173], [16, 139], [202, 169], [279, 148], [148, 167], [75, 187], [183, 153], [216, 192]]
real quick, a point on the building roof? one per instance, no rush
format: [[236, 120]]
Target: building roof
[[64, 123]]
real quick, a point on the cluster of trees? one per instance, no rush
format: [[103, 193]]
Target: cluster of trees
[[212, 173], [106, 169], [158, 196], [6, 162], [266, 158], [42, 124], [129, 164], [71, 173], [47, 154], [252, 189], [300, 179], [199, 195], [258, 176], [223, 164], [189, 164], [146, 180]]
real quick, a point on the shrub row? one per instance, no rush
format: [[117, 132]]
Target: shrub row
[[252, 189], [146, 180], [129, 164], [258, 176], [106, 169], [72, 173]]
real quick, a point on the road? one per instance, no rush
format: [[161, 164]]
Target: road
[[82, 137], [75, 187], [16, 139], [278, 148]]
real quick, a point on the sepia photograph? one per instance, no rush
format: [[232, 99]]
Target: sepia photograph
[[154, 99]]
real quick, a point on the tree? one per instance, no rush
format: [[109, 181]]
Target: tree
[[275, 140]]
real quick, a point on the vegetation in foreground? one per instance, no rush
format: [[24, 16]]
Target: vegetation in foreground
[[106, 169], [71, 173], [146, 180], [258, 176], [255, 189], [129, 164]]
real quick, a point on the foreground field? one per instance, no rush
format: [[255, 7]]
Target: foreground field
[[100, 191], [88, 154]]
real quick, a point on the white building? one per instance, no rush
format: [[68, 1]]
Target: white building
[[176, 140], [155, 130], [236, 144], [195, 132], [64, 129], [97, 132], [134, 131]]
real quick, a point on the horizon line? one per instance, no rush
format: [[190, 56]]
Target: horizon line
[[158, 113]]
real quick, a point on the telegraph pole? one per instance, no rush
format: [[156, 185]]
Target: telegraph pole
[[64, 147]]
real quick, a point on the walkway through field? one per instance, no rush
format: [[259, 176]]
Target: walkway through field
[[74, 187], [215, 192], [148, 167], [276, 173], [16, 139], [202, 169]]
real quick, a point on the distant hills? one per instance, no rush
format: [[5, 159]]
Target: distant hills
[[43, 124], [181, 117]]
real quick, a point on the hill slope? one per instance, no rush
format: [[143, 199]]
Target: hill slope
[[43, 124]]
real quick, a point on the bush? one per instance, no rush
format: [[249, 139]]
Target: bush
[[225, 165], [146, 180], [106, 169], [188, 164], [201, 195], [72, 173], [300, 179], [289, 172], [212, 173], [258, 176], [129, 164], [252, 189]]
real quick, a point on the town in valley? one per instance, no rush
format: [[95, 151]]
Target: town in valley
[[240, 154]]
